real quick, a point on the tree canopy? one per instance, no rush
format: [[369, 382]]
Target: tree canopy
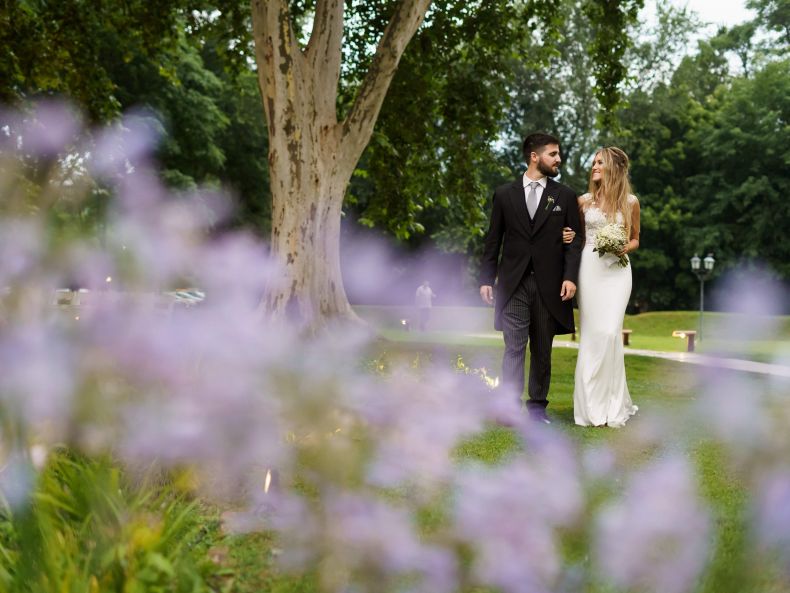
[[705, 125]]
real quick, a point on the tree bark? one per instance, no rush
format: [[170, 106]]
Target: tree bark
[[311, 155]]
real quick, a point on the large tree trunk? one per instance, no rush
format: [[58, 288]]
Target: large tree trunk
[[311, 154], [307, 197]]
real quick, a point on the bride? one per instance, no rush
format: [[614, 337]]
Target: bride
[[600, 395]]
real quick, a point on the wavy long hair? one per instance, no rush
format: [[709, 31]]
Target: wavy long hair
[[614, 186]]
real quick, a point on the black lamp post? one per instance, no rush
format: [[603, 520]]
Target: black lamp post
[[702, 272]]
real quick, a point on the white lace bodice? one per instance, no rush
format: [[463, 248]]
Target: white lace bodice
[[595, 218]]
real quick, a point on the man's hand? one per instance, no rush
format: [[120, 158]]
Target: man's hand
[[566, 292], [487, 294]]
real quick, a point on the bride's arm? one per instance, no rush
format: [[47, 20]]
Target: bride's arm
[[633, 243], [567, 233], [581, 201]]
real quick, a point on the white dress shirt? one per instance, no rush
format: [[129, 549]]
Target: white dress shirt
[[538, 190], [423, 297]]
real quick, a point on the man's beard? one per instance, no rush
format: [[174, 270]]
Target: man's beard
[[547, 171]]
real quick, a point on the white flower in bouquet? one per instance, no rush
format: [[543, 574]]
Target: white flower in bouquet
[[611, 238]]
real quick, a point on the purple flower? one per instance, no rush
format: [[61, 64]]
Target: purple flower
[[423, 420], [598, 462], [366, 533], [772, 510], [193, 386], [235, 271], [733, 405], [17, 479], [38, 378], [21, 250], [509, 516], [84, 266], [299, 531], [119, 149], [367, 268], [655, 538], [51, 128], [754, 298]]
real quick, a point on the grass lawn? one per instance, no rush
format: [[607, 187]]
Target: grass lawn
[[661, 389], [651, 331]]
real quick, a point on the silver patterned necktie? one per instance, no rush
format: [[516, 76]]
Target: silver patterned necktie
[[532, 199]]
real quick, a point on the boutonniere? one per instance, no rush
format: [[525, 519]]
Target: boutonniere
[[549, 203]]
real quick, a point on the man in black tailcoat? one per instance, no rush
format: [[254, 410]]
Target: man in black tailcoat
[[537, 273]]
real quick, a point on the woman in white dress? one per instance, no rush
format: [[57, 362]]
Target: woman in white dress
[[600, 395]]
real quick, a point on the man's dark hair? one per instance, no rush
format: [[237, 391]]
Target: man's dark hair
[[534, 142]]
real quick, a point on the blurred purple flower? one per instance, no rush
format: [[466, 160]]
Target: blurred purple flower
[[234, 271], [656, 537], [423, 421], [157, 248], [365, 532], [509, 515], [119, 149], [733, 405], [21, 250], [39, 375], [17, 479], [772, 510], [553, 459], [196, 383], [755, 297], [84, 266], [295, 521], [49, 129], [368, 266], [598, 462]]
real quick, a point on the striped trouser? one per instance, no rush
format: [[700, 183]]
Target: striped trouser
[[526, 319]]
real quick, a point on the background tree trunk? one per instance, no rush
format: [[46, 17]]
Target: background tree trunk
[[311, 154], [306, 212]]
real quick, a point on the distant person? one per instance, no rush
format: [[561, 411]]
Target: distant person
[[600, 395], [423, 298], [535, 271]]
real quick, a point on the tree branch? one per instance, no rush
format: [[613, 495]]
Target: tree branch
[[280, 62], [323, 55], [358, 125]]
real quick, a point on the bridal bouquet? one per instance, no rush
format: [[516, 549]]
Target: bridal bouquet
[[611, 238]]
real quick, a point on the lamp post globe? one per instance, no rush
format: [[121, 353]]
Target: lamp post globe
[[702, 268], [695, 262]]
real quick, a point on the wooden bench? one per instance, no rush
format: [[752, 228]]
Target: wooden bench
[[689, 334]]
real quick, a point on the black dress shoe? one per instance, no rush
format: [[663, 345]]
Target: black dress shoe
[[539, 416]]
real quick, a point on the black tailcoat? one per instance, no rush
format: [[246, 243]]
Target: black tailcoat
[[538, 241]]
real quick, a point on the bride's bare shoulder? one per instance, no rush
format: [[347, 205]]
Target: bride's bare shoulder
[[632, 199]]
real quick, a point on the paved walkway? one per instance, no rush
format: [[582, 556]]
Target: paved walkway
[[735, 364]]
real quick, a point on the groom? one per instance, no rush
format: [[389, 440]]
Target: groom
[[537, 273]]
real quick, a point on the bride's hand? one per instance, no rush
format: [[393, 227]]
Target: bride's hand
[[624, 251], [568, 234]]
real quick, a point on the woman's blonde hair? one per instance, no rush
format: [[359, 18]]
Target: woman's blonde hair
[[614, 187]]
